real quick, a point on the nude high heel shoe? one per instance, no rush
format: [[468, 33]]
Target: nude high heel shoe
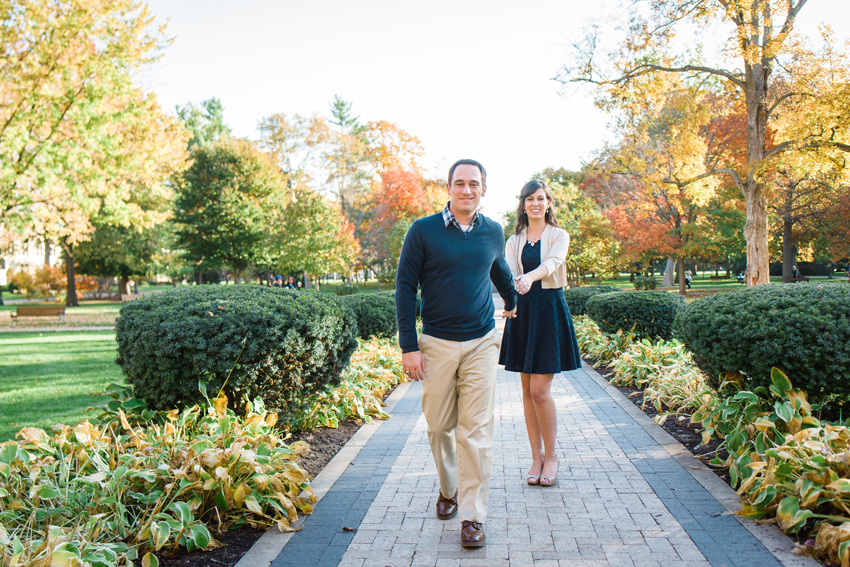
[[553, 480]]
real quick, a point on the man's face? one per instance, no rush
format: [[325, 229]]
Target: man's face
[[466, 190]]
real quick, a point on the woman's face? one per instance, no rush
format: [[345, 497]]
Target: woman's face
[[536, 205], [291, 280]]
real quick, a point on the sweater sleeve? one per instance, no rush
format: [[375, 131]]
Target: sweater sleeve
[[510, 255], [407, 284], [558, 249], [500, 275]]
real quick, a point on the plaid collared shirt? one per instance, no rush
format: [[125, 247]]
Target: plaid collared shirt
[[449, 218]]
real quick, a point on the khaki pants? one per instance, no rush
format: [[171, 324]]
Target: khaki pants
[[458, 395]]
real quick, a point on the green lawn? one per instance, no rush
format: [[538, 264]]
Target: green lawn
[[49, 378], [369, 287]]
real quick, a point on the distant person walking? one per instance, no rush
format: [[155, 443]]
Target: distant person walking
[[794, 272], [688, 277], [541, 340], [290, 283], [453, 256]]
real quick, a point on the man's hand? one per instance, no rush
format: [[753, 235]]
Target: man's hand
[[511, 313], [413, 364]]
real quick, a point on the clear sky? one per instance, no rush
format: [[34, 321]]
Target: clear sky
[[468, 78]]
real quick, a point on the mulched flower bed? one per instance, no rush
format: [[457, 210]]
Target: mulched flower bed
[[324, 444]]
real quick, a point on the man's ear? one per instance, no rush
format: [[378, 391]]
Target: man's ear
[[483, 190]]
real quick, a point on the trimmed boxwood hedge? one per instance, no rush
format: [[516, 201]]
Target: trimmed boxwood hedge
[[577, 297], [803, 329], [375, 313], [651, 313], [297, 344]]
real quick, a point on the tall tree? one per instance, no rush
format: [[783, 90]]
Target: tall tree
[[762, 39], [205, 122], [664, 143], [117, 251], [77, 135], [225, 205], [310, 233]]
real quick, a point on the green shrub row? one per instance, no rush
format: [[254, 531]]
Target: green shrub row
[[577, 297], [273, 343], [803, 329], [375, 313], [649, 314], [645, 282]]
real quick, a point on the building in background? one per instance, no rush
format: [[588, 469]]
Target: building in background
[[28, 256]]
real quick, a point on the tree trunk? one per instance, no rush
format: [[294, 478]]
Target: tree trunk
[[681, 271], [789, 249], [668, 273], [755, 230], [71, 293], [124, 285], [756, 234]]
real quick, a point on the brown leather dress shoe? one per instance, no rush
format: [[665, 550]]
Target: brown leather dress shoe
[[446, 507], [471, 534]]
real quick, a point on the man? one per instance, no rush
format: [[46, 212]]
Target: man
[[452, 256]]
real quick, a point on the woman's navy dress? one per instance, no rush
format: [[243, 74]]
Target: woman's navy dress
[[541, 338]]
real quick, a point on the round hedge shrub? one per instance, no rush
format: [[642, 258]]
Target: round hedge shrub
[[577, 297], [375, 313], [346, 289], [651, 313], [297, 344], [803, 329], [645, 282]]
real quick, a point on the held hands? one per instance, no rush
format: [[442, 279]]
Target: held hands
[[523, 283], [511, 313], [413, 364]]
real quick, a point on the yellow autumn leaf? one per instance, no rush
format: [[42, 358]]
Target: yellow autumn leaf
[[220, 404], [252, 504], [241, 493]]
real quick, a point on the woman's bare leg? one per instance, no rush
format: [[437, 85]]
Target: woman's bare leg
[[532, 427], [545, 418]]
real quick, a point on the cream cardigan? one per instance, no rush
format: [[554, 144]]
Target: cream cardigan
[[554, 246]]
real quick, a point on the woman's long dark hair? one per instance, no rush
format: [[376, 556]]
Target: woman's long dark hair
[[531, 188]]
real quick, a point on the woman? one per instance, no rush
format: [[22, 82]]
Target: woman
[[541, 340]]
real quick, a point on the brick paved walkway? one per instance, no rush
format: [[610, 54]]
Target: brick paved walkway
[[626, 496]]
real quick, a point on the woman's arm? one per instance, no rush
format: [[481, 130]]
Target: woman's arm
[[510, 255], [559, 245]]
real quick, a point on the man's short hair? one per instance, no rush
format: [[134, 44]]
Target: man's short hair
[[468, 162]]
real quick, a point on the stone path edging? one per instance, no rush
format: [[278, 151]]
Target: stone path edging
[[779, 544], [271, 543]]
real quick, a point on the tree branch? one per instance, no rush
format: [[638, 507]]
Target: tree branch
[[727, 170], [646, 67]]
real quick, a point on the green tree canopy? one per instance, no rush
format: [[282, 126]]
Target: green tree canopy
[[226, 205]]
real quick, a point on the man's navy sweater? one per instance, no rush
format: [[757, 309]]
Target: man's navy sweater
[[453, 270]]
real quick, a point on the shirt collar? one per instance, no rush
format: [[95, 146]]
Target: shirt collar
[[449, 218]]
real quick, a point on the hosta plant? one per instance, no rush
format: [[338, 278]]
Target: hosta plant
[[375, 368], [109, 493], [666, 373], [598, 345]]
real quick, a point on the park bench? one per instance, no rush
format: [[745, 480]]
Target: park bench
[[39, 311], [799, 279]]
